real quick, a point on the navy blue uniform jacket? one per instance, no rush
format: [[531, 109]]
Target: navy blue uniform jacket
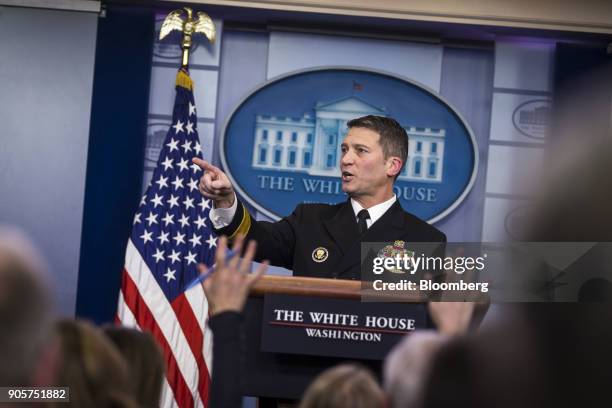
[[290, 242]]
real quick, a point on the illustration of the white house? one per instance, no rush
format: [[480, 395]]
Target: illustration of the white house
[[538, 116], [312, 145]]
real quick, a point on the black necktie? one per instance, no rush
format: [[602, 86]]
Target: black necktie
[[362, 216]]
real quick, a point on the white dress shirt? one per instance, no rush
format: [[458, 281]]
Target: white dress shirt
[[375, 211]]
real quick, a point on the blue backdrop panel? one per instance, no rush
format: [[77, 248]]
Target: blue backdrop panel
[[116, 155], [467, 83]]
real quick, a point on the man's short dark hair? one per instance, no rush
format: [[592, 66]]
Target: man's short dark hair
[[393, 137]]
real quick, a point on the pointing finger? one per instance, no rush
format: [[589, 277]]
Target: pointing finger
[[204, 165]]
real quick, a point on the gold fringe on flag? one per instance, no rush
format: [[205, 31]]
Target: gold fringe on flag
[[183, 79]]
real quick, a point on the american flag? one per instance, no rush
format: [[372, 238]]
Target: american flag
[[170, 236]]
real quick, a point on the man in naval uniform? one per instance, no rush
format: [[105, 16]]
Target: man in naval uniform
[[322, 240]]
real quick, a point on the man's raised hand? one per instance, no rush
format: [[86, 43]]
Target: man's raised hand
[[214, 184]]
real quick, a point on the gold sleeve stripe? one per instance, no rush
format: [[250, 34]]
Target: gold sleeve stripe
[[245, 224]]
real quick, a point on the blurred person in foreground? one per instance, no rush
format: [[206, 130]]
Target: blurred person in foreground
[[542, 356], [27, 356], [226, 291], [92, 367], [545, 354], [145, 362], [344, 386], [409, 363]]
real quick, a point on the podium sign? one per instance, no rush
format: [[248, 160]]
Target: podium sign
[[344, 328]]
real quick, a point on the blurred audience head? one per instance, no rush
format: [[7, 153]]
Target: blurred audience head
[[92, 367], [344, 386], [495, 367], [145, 361], [408, 365], [549, 355], [540, 356], [26, 354]]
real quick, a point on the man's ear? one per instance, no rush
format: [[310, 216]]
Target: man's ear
[[394, 166]]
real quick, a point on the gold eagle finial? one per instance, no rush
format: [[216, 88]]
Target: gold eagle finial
[[189, 26]]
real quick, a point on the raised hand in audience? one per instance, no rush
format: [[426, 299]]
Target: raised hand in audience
[[228, 286]]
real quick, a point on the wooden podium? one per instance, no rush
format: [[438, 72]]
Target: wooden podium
[[284, 375]]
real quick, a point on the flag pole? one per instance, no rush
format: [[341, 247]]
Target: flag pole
[[165, 248]]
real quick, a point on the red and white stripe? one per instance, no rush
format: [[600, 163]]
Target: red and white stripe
[[179, 328]]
